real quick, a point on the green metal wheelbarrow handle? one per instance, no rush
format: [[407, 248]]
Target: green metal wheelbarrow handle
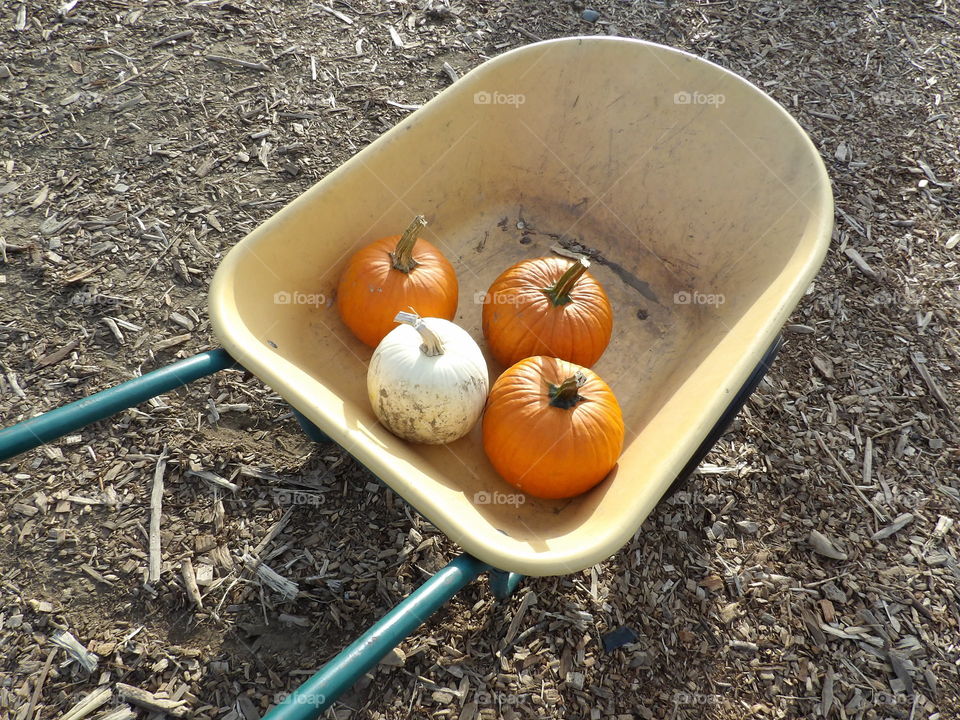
[[314, 696], [319, 692], [56, 423]]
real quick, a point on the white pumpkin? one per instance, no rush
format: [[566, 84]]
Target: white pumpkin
[[427, 380]]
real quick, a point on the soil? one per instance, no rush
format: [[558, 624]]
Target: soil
[[130, 162]]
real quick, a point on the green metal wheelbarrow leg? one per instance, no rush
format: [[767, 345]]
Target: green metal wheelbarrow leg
[[319, 692], [503, 583], [311, 430], [53, 424]]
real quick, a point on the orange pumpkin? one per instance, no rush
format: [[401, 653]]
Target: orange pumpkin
[[391, 275], [547, 306], [552, 428]]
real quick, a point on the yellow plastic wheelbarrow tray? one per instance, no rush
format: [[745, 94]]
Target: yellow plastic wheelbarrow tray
[[705, 206]]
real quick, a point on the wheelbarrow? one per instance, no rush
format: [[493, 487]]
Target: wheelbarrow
[[706, 211]]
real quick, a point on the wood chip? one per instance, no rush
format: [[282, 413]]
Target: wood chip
[[121, 713], [822, 545], [79, 275], [395, 37], [826, 694], [182, 35], [846, 476], [214, 479], [66, 640], [41, 197], [38, 687], [190, 582], [729, 612], [394, 658], [336, 13], [824, 366], [151, 701], [57, 355], [94, 574], [156, 507], [898, 524], [88, 704], [271, 578], [450, 72], [931, 384], [171, 342], [861, 264], [529, 598], [115, 330], [559, 249], [901, 668]]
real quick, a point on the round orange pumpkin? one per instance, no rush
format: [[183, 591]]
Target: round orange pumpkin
[[552, 428], [547, 306], [391, 275]]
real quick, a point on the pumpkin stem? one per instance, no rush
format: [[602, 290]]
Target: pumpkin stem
[[432, 344], [559, 292], [566, 394], [402, 256]]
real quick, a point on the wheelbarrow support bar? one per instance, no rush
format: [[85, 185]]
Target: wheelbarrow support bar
[[319, 692], [53, 424]]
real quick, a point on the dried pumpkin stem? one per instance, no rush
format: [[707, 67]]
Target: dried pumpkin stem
[[567, 394], [432, 344], [559, 293], [402, 255]]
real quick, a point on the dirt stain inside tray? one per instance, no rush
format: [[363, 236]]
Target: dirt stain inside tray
[[571, 247]]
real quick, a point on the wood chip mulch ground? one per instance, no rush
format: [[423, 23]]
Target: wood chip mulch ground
[[808, 570]]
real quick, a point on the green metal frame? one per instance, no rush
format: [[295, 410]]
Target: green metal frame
[[51, 425], [502, 583], [314, 696], [319, 692]]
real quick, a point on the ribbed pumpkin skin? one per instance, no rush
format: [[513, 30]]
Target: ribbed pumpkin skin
[[520, 321], [424, 399], [371, 291], [546, 451]]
